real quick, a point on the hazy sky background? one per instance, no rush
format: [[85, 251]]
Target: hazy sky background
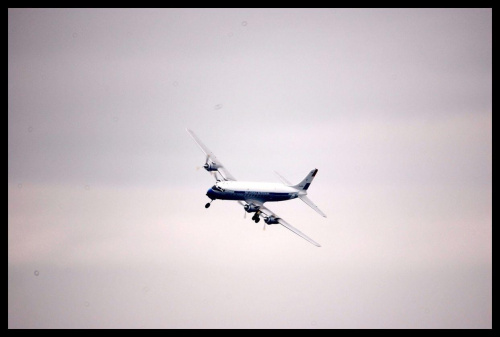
[[106, 224]]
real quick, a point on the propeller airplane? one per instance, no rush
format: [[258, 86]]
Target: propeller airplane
[[253, 195]]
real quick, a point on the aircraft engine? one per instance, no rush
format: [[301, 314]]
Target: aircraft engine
[[210, 167], [271, 220], [251, 208]]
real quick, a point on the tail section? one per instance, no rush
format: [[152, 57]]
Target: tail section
[[302, 187], [304, 184], [308, 201]]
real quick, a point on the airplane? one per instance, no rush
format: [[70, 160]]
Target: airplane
[[253, 195]]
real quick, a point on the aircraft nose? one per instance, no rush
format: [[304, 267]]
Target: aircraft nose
[[211, 193]]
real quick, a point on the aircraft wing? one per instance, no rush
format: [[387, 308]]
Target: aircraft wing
[[267, 212], [296, 231], [210, 155]]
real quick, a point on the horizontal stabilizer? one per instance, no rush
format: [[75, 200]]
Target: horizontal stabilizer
[[308, 201], [283, 179]]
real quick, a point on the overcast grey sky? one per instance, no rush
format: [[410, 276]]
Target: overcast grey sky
[[107, 227]]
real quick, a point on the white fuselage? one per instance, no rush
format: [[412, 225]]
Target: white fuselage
[[246, 190]]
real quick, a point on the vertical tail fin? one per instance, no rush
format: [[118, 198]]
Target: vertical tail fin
[[304, 184]]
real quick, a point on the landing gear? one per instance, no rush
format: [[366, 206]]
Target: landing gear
[[256, 218], [207, 205]]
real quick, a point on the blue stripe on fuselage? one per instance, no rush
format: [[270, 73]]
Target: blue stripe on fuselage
[[243, 195]]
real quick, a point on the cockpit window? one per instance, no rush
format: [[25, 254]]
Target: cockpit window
[[217, 188]]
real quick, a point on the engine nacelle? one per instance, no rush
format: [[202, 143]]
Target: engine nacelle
[[251, 208], [271, 220], [210, 167]]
